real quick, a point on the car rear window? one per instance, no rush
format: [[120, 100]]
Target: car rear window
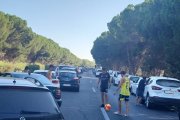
[[39, 77], [135, 79], [16, 100], [45, 74], [168, 83], [67, 75], [42, 73]]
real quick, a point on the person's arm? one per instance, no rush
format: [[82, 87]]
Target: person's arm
[[49, 75], [98, 83], [120, 85]]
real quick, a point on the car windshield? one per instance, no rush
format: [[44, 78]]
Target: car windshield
[[15, 101], [168, 83], [67, 75]]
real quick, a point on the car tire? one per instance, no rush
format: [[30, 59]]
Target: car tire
[[148, 104], [77, 89]]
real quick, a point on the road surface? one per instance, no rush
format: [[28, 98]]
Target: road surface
[[85, 105]]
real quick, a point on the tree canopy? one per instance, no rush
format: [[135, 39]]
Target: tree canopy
[[145, 36], [19, 43]]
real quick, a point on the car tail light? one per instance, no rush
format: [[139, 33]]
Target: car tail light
[[55, 81], [58, 93], [156, 88]]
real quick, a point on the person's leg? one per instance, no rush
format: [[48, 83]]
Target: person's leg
[[119, 105], [139, 100], [106, 97], [127, 108], [102, 98], [127, 105]]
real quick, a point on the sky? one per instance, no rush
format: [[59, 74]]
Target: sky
[[73, 24]]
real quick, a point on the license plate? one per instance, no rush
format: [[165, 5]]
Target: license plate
[[168, 92], [66, 85]]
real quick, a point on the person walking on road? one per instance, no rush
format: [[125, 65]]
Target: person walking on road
[[49, 74], [104, 81], [124, 93], [140, 90]]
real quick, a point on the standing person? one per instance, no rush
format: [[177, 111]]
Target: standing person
[[49, 74], [140, 90], [27, 70], [124, 93], [104, 81]]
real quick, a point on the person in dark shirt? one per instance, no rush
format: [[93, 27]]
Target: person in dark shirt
[[104, 81], [140, 90]]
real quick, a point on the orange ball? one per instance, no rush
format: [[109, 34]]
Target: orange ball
[[107, 107]]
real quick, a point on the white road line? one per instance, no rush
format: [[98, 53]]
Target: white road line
[[106, 117], [93, 89]]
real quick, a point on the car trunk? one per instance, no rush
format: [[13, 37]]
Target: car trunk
[[168, 88]]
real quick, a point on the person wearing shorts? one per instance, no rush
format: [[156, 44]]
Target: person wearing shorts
[[104, 81], [124, 93], [140, 91]]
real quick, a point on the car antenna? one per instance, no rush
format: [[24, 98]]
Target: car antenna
[[14, 81]]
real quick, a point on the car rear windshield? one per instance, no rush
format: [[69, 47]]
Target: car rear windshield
[[45, 74], [14, 101], [135, 79], [67, 75], [40, 78], [168, 83]]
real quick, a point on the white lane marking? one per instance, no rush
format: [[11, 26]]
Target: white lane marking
[[93, 89], [106, 117]]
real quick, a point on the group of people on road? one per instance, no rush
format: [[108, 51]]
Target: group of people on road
[[123, 89]]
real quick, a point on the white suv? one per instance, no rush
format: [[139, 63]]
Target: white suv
[[134, 80], [162, 91]]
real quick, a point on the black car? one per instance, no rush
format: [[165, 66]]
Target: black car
[[42, 79], [69, 79], [24, 100]]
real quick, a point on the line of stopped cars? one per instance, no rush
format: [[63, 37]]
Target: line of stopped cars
[[33, 96], [161, 91]]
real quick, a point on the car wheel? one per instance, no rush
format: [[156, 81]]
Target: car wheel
[[77, 89], [148, 104]]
